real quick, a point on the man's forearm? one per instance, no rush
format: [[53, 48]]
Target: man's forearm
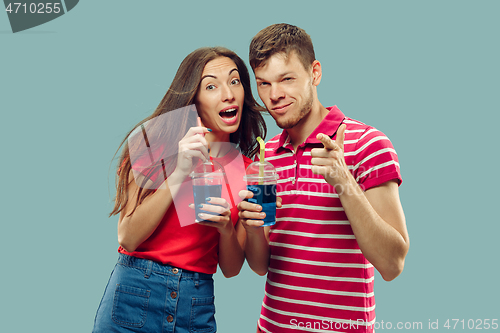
[[377, 221], [257, 251]]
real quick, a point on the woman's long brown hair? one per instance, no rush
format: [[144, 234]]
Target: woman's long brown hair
[[182, 92]]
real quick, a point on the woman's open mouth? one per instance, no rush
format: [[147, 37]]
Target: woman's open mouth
[[229, 115]]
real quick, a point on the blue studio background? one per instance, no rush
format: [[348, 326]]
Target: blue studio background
[[425, 73]]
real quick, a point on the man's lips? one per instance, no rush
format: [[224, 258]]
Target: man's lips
[[281, 108]]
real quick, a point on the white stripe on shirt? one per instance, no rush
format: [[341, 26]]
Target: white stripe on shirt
[[316, 249], [295, 327], [315, 194], [380, 166], [311, 235], [321, 263], [301, 206], [375, 139], [378, 152], [325, 222], [310, 316], [323, 305], [277, 157], [319, 291]]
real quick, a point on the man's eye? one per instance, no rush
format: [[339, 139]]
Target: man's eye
[[288, 79], [263, 83]]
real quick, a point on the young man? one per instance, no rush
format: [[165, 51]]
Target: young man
[[340, 214]]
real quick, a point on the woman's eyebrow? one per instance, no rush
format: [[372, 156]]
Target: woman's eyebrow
[[215, 77], [208, 75]]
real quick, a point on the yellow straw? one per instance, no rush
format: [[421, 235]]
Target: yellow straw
[[262, 156]]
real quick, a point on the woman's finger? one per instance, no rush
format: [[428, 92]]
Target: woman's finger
[[195, 146], [218, 201], [193, 153], [197, 130], [213, 220], [194, 139], [215, 209]]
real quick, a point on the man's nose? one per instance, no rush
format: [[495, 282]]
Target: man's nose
[[276, 93]]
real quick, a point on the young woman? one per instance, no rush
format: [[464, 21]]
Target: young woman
[[163, 279]]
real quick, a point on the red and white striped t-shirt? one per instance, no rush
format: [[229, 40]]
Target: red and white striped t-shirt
[[318, 279]]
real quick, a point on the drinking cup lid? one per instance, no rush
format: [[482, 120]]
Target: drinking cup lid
[[261, 172], [265, 178]]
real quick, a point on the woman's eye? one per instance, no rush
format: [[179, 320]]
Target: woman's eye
[[210, 87], [235, 81]]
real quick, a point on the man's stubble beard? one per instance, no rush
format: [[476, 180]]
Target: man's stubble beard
[[304, 111]]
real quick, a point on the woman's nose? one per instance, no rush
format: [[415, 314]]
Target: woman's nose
[[227, 94]]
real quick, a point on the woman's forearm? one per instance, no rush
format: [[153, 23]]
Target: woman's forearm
[[231, 255]]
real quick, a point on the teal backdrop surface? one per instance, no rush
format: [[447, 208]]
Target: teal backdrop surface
[[425, 73]]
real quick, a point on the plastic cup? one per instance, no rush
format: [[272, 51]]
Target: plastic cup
[[207, 179], [261, 180]]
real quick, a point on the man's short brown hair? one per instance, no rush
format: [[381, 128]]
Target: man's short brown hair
[[281, 38]]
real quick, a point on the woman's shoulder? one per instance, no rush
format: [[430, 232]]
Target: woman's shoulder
[[247, 161]]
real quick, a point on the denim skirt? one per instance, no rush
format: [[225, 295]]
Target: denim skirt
[[145, 296]]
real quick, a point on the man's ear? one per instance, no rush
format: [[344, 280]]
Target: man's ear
[[316, 72]]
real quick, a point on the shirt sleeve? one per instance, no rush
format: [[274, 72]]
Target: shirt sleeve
[[375, 161]]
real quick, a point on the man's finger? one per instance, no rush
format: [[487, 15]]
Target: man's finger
[[320, 152], [253, 223], [279, 201], [326, 141], [339, 140], [319, 161], [319, 170], [248, 206], [249, 215], [244, 194]]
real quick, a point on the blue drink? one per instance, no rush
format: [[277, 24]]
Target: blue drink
[[201, 193], [265, 195], [207, 179]]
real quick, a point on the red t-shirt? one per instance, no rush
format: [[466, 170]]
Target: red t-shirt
[[194, 247]]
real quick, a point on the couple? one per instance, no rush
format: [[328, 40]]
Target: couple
[[339, 211]]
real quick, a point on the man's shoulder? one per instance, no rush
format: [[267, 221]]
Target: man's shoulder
[[273, 142], [357, 130], [356, 125], [271, 147]]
